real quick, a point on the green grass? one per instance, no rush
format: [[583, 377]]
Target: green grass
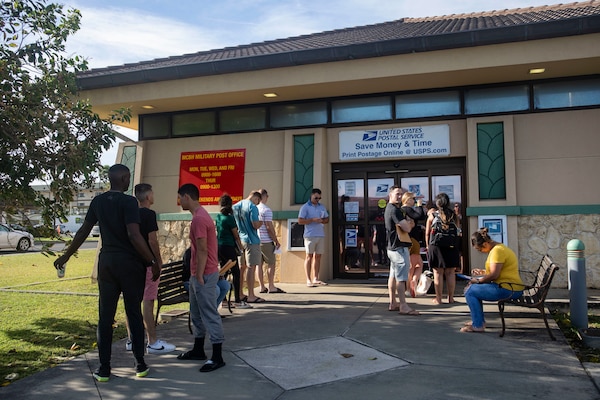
[[38, 330], [563, 320]]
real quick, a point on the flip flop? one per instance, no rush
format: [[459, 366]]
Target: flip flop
[[397, 308], [320, 283], [411, 312], [265, 290], [256, 300], [277, 291]]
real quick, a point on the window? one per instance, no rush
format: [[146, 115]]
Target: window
[[494, 100], [420, 105], [567, 94], [244, 119], [367, 109], [194, 123], [305, 114], [155, 126]]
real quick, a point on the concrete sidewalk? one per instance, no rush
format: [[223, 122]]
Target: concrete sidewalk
[[341, 342]]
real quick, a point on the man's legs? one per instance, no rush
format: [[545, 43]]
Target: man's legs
[[271, 277], [392, 284], [210, 319], [260, 277], [401, 260], [308, 262], [254, 259], [316, 262]]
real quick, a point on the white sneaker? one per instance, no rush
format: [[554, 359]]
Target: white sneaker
[[160, 347], [242, 304], [128, 346]]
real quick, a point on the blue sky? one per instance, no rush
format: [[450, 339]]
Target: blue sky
[[116, 32]]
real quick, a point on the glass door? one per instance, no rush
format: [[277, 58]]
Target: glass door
[[352, 238]]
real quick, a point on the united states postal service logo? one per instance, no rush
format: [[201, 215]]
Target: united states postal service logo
[[370, 136]]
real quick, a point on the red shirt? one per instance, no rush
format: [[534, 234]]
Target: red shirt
[[203, 227]]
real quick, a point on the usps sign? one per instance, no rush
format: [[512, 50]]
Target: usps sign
[[417, 141]]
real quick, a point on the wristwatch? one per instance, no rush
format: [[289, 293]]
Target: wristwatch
[[151, 264]]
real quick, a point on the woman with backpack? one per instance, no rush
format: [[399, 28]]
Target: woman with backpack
[[441, 239]]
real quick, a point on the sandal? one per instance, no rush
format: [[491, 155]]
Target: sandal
[[257, 300], [189, 355], [277, 290], [265, 290], [470, 328], [397, 308], [319, 283], [411, 312]]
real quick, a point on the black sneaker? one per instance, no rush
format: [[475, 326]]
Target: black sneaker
[[102, 374], [141, 370]]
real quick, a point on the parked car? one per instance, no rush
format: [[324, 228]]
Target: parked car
[[13, 239], [96, 230]]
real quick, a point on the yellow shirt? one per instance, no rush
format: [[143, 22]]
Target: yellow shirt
[[500, 254]]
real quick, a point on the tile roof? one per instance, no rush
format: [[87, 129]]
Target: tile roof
[[395, 37]]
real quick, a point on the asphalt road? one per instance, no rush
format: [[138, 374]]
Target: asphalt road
[[37, 247]]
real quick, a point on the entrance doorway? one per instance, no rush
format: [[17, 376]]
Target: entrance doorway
[[361, 190]]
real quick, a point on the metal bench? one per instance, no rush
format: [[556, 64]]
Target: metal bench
[[534, 295]]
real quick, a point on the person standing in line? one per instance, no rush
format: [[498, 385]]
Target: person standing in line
[[204, 275], [148, 228], [245, 213], [313, 215], [229, 241], [122, 264], [416, 213], [445, 261], [268, 245], [398, 252]]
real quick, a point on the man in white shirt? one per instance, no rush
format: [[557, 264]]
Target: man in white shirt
[[268, 245]]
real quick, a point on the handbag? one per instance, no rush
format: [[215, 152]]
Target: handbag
[[424, 284], [403, 236]]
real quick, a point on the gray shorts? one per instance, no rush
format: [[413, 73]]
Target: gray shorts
[[252, 253], [268, 253]]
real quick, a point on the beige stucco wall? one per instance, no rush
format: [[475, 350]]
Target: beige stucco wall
[[550, 158]]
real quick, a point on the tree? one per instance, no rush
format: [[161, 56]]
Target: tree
[[46, 131]]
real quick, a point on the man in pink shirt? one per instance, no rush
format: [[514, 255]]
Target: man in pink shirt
[[204, 269]]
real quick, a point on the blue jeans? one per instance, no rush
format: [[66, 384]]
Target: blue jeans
[[399, 263], [203, 308], [475, 294], [223, 286]]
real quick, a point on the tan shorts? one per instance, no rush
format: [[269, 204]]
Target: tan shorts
[[415, 248], [314, 245], [267, 251]]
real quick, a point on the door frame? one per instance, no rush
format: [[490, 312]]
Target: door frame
[[398, 169]]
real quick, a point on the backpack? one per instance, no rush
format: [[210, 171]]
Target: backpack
[[444, 233]]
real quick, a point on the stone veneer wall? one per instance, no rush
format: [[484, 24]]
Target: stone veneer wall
[[173, 239], [550, 234]]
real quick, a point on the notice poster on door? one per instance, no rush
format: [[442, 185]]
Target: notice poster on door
[[214, 172], [418, 186], [449, 184]]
